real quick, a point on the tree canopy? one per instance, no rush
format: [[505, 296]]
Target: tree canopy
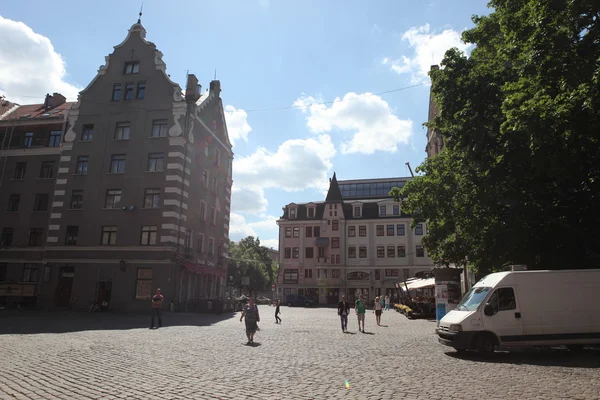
[[519, 178], [247, 258]]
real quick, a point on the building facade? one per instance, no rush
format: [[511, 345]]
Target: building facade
[[141, 193], [356, 241]]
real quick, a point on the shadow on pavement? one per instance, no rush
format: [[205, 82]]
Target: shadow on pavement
[[33, 322], [253, 344], [588, 358], [350, 333]]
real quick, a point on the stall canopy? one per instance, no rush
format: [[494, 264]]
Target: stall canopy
[[420, 283]]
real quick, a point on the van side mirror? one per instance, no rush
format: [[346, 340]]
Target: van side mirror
[[488, 310]]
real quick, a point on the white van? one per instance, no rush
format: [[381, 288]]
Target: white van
[[526, 308]]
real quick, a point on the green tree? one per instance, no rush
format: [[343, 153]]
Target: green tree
[[247, 258], [519, 178]]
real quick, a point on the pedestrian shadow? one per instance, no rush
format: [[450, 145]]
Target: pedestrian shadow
[[350, 333], [384, 326], [368, 333], [544, 357], [253, 344]]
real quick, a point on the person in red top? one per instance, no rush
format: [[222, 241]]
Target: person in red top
[[157, 301]]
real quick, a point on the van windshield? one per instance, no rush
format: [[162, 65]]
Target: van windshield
[[473, 299]]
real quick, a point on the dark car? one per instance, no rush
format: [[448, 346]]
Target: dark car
[[298, 300]]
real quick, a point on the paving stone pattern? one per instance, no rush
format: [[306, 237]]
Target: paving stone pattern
[[112, 356]]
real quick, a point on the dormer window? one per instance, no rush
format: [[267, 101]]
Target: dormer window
[[396, 209], [311, 212], [382, 211], [357, 211], [293, 212], [132, 67]]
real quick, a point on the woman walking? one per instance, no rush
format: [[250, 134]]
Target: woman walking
[[387, 302], [377, 310], [250, 313], [277, 312]]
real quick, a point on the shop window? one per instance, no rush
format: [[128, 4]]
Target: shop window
[[143, 289]]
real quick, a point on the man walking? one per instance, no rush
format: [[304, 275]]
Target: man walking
[[157, 301], [360, 308], [277, 312], [387, 302], [343, 311]]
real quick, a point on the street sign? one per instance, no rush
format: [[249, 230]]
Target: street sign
[[273, 286]]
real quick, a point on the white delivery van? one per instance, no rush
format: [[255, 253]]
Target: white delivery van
[[526, 308]]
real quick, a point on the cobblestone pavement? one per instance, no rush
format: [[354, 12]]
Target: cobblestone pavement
[[104, 356]]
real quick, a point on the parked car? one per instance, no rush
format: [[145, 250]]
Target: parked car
[[263, 300], [298, 300]]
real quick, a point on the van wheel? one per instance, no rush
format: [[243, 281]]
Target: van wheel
[[485, 345]]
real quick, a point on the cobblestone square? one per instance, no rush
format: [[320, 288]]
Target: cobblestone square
[[195, 356]]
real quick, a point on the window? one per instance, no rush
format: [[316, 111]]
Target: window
[[76, 200], [335, 225], [377, 274], [152, 198], [288, 252], [214, 184], [309, 252], [132, 67], [35, 237], [401, 251], [337, 258], [200, 243], [141, 90], [380, 251], [293, 212], [149, 233], [503, 299], [400, 229], [41, 202], [203, 211], [290, 276], [71, 236], [396, 209], [382, 211], [29, 273], [7, 237], [335, 242], [205, 178], [87, 133], [379, 230], [47, 170], [28, 139], [156, 162], [13, 202], [218, 158], [352, 252], [122, 130], [317, 231], [362, 231], [117, 164], [295, 252], [3, 267], [419, 229], [296, 232], [20, 169], [406, 273], [335, 273], [308, 273], [82, 165], [311, 212], [113, 198], [321, 252], [362, 252], [288, 232], [54, 139], [420, 251], [308, 231], [211, 246], [109, 235], [391, 251], [116, 94], [206, 152], [391, 272], [128, 91], [357, 211], [352, 231], [213, 215], [219, 250], [143, 287], [159, 128], [390, 230]]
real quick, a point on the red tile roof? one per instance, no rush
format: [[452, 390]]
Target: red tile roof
[[37, 111]]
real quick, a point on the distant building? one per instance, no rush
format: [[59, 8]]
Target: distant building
[[137, 196], [356, 241], [435, 141]]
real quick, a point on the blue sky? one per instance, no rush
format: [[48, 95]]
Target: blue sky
[[268, 54]]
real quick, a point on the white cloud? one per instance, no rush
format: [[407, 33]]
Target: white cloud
[[266, 228], [296, 165], [237, 124], [271, 243], [369, 118], [30, 66], [429, 49], [238, 228], [248, 200]]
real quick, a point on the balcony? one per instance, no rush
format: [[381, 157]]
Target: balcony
[[322, 241], [322, 260]]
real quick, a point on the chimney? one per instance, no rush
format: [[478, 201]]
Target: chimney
[[215, 86], [54, 101], [47, 102], [192, 89]]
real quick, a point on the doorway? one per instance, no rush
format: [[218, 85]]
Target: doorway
[[64, 288]]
